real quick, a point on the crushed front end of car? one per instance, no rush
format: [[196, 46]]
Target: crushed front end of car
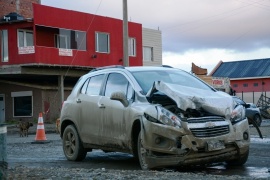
[[189, 126]]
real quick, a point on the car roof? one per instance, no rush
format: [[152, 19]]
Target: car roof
[[134, 68]]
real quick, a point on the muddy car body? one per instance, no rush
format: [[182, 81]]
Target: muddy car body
[[163, 116]]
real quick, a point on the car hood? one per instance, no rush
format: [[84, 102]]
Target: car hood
[[215, 102]]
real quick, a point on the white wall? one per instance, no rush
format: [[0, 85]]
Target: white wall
[[152, 38]]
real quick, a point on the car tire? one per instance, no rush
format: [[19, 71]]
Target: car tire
[[72, 145], [257, 119], [239, 162], [141, 154]]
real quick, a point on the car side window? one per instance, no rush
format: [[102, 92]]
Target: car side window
[[117, 82], [84, 87], [94, 85]]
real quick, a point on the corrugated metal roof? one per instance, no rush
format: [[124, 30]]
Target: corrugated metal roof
[[244, 69]]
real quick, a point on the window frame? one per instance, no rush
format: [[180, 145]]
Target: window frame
[[97, 43], [18, 95], [74, 39], [151, 53], [132, 46], [57, 41], [25, 43], [90, 83], [4, 45]]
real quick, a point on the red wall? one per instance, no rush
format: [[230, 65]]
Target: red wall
[[14, 57], [263, 85], [66, 19]]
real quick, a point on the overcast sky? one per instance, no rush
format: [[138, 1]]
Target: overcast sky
[[199, 31]]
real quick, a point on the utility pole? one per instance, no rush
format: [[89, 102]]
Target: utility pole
[[125, 35]]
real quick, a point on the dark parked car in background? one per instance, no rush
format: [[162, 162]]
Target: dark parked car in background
[[252, 111]]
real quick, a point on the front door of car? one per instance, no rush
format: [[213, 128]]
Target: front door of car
[[91, 113], [115, 124]]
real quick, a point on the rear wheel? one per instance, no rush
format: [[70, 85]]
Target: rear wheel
[[240, 161], [72, 145]]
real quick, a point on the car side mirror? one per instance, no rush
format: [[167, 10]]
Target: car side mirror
[[120, 96]]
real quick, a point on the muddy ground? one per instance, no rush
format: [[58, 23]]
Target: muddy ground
[[46, 161]]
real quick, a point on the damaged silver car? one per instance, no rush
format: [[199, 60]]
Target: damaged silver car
[[163, 116]]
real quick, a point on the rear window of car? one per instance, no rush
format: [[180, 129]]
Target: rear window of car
[[92, 85]]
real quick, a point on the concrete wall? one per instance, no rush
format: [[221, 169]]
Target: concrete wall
[[7, 89], [152, 38], [46, 101]]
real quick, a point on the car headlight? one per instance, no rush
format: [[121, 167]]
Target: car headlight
[[238, 114], [164, 117]]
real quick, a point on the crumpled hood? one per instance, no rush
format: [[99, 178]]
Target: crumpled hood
[[218, 103]]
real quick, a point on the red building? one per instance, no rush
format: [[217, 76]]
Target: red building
[[249, 79], [55, 47], [71, 38]]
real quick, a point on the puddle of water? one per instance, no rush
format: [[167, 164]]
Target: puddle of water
[[258, 172], [254, 172]]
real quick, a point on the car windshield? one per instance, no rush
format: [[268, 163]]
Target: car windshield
[[178, 77]]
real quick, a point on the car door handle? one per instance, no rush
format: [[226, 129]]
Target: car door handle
[[101, 106], [78, 101]]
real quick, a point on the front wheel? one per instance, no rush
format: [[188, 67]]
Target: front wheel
[[257, 119], [141, 154], [72, 145]]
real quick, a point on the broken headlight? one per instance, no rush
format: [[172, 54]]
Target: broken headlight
[[238, 114], [164, 117]]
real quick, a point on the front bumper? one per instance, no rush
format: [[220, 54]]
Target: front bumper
[[170, 146]]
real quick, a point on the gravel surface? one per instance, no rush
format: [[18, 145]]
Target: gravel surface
[[95, 174], [22, 173]]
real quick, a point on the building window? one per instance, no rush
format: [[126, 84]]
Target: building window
[[25, 38], [61, 41], [22, 104], [102, 42], [245, 85], [235, 85], [255, 84], [132, 47], [79, 41], [69, 39], [147, 53], [4, 45]]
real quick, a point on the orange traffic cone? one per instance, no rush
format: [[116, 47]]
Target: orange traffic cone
[[40, 135]]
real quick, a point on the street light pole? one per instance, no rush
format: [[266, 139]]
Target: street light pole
[[125, 35]]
